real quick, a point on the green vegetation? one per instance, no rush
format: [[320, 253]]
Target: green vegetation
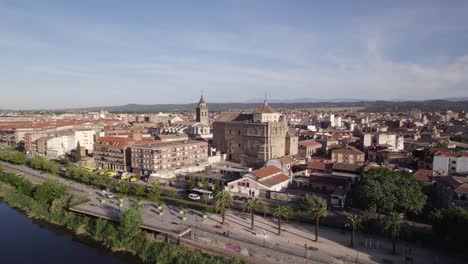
[[353, 222], [282, 212], [13, 156], [50, 201], [251, 206], [450, 227], [460, 138], [316, 208], [40, 163], [393, 224], [222, 200], [389, 191], [78, 152]]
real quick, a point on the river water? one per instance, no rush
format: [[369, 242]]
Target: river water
[[23, 240]]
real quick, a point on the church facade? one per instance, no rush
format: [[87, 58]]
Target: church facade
[[252, 139]]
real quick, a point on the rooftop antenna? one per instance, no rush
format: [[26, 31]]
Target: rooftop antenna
[[265, 102]]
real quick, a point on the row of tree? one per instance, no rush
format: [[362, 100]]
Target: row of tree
[[50, 200]]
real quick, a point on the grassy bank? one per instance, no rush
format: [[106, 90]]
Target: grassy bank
[[50, 201]]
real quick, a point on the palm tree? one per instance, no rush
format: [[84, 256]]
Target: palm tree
[[251, 206], [353, 222], [393, 224], [222, 200], [264, 208], [282, 212], [316, 207]]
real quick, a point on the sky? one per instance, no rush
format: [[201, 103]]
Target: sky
[[66, 54]]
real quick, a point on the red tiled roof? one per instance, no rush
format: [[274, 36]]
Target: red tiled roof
[[424, 175], [266, 171], [310, 143], [317, 165], [274, 180]]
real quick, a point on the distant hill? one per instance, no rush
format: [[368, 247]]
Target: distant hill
[[454, 104], [370, 106]]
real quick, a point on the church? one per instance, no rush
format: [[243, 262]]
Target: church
[[252, 139], [201, 129]]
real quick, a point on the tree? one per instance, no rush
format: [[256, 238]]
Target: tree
[[40, 163], [264, 208], [155, 193], [316, 207], [222, 200], [251, 206], [353, 223], [393, 224], [139, 190], [124, 188], [204, 183], [205, 197], [389, 191], [450, 227], [281, 212], [191, 183], [49, 191], [78, 152], [130, 222], [172, 192]]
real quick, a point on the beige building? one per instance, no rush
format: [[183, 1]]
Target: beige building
[[252, 139], [147, 159]]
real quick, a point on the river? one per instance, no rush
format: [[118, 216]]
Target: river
[[23, 240]]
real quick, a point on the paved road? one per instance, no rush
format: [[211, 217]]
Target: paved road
[[333, 244]]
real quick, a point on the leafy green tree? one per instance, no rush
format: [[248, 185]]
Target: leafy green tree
[[191, 183], [13, 156], [130, 222], [49, 191], [393, 224], [172, 192], [78, 152], [281, 212], [388, 191], [222, 200], [251, 206], [204, 183], [140, 190], [124, 188], [316, 208], [450, 227], [155, 193], [353, 223]]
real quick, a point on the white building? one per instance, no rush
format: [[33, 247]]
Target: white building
[[392, 141], [58, 146], [86, 139], [447, 163], [269, 178]]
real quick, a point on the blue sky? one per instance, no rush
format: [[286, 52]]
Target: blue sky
[[94, 52]]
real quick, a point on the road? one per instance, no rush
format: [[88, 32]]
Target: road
[[331, 248]]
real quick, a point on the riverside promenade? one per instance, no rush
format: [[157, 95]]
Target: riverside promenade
[[236, 239]]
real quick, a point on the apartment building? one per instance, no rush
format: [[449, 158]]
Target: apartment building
[[347, 155], [147, 159], [447, 163], [392, 141], [86, 139], [113, 153]]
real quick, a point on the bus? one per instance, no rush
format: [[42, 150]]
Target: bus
[[202, 192]]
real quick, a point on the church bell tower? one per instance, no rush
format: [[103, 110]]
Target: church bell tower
[[202, 111]]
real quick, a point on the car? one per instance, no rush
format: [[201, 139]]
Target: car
[[133, 179], [194, 196]]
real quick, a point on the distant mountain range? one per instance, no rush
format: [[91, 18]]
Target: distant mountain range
[[455, 104]]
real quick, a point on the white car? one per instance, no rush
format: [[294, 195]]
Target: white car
[[194, 196]]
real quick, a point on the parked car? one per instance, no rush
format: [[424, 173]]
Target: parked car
[[194, 197]]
